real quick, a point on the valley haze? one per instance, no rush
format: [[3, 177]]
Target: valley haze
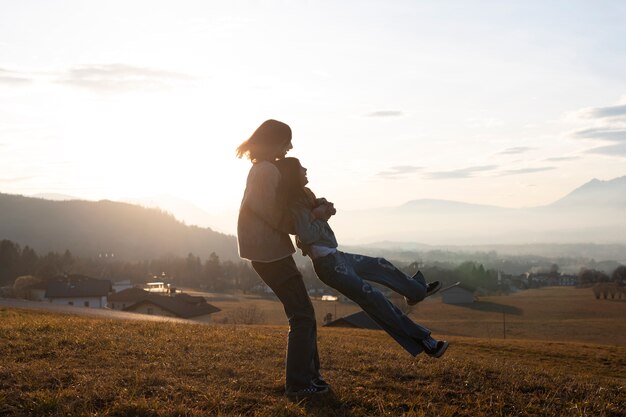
[[592, 214]]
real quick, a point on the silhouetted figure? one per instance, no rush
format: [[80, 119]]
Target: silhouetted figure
[[348, 273], [270, 250]]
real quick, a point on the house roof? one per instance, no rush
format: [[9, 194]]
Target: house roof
[[77, 286], [359, 320], [129, 295], [181, 305], [460, 286], [41, 285], [194, 299]]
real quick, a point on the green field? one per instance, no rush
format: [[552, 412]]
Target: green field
[[60, 365]]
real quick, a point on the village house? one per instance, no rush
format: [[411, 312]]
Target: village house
[[78, 290], [122, 285], [358, 320], [37, 291], [551, 279], [459, 294], [178, 305]]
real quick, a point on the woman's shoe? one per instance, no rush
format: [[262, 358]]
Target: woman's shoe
[[306, 392], [319, 382]]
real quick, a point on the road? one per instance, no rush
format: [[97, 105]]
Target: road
[[84, 311]]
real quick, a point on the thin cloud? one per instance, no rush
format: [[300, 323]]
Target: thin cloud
[[515, 150], [386, 113], [13, 77], [399, 171], [15, 179], [612, 133], [602, 133], [460, 173], [121, 77], [617, 149], [525, 171], [562, 158], [602, 112]]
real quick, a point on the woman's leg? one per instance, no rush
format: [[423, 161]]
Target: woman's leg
[[337, 271], [302, 362], [383, 272]]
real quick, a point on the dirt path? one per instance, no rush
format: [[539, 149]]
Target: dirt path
[[97, 312]]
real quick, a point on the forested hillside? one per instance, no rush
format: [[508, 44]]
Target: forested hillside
[[88, 228]]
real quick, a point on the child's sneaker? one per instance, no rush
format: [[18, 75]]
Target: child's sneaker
[[434, 348], [432, 288], [419, 277]]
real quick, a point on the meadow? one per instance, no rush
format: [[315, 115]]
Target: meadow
[[63, 364], [550, 313]]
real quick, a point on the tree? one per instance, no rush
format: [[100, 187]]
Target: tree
[[248, 278], [28, 261], [213, 272], [619, 275], [9, 261], [66, 262], [554, 271], [49, 266], [193, 270]]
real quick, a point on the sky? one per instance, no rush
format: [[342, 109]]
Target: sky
[[504, 103]]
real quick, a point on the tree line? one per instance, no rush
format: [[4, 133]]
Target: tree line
[[591, 276], [213, 274]]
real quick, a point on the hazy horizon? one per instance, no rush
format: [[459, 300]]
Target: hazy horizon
[[504, 104], [591, 214]]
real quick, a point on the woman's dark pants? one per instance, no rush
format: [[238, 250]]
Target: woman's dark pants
[[302, 362]]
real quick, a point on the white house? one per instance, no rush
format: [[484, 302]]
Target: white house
[[79, 291], [178, 305]]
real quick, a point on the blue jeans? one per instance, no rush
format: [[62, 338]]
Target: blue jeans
[[347, 272]]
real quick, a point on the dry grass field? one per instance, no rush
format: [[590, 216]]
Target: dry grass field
[[65, 365], [553, 313]]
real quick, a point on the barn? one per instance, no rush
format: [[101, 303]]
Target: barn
[[459, 294]]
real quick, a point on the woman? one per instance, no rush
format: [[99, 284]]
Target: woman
[[347, 272], [270, 250]]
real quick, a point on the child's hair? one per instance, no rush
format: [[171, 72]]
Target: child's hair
[[265, 141], [290, 189]]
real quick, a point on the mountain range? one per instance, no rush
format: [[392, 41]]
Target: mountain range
[[594, 213], [89, 228]]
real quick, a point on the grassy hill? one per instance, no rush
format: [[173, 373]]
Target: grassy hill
[[87, 228], [565, 314], [68, 365]]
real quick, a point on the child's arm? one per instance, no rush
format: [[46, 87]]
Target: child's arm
[[322, 208], [307, 229]]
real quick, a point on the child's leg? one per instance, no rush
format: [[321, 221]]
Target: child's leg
[[383, 272], [337, 271]]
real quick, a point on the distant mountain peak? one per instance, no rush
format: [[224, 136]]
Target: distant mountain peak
[[597, 192]]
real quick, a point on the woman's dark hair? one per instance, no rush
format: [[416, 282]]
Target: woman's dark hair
[[289, 188], [266, 140]]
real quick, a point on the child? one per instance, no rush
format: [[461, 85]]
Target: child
[[346, 272]]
